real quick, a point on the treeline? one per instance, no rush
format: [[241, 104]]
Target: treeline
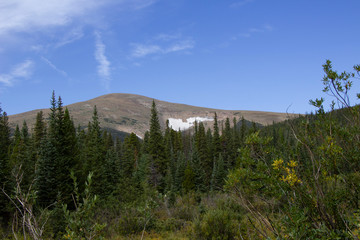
[[298, 179], [45, 161]]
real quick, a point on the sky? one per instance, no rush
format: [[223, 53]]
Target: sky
[[227, 54]]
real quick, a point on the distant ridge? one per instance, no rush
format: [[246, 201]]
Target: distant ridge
[[128, 113]]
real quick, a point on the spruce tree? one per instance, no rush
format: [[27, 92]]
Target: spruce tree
[[57, 157], [39, 130], [216, 137], [110, 172], [218, 174], [95, 152], [157, 151], [203, 154], [228, 145], [131, 155], [4, 165], [189, 179]]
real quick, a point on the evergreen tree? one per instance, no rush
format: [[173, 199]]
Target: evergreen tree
[[131, 155], [39, 130], [179, 172], [228, 145], [199, 172], [57, 157], [157, 150], [218, 174], [4, 165], [243, 131], [110, 172], [189, 179], [95, 152], [203, 154], [216, 138]]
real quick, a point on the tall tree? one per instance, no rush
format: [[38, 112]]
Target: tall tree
[[157, 150], [131, 155], [95, 152], [39, 130], [57, 157], [216, 138], [4, 164]]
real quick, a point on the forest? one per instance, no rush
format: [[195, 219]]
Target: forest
[[297, 179]]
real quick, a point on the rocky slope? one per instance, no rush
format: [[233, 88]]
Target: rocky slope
[[131, 113]]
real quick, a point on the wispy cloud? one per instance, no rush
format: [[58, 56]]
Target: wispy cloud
[[31, 15], [247, 34], [103, 63], [240, 3], [162, 44], [22, 70], [140, 4], [250, 32], [54, 67], [72, 36], [141, 50]]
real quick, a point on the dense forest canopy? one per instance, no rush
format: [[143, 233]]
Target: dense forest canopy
[[297, 179]]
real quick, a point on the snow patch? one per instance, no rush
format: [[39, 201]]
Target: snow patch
[[177, 124]]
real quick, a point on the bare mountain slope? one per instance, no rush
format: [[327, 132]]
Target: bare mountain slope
[[131, 113]]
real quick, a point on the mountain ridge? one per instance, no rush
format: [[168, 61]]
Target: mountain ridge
[[131, 113]]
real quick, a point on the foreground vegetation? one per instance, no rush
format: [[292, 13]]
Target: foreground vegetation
[[293, 180]]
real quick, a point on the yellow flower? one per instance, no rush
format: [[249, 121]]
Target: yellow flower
[[292, 164], [277, 165]]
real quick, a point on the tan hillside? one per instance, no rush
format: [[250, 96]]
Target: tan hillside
[[131, 113]]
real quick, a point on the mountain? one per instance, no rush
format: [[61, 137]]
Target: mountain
[[128, 113]]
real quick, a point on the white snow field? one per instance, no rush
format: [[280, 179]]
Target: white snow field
[[177, 124]]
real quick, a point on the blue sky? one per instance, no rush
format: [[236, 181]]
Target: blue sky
[[228, 54]]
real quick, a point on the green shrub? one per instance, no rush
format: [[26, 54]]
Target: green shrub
[[216, 224]]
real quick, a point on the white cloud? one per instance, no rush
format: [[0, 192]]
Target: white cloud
[[180, 46], [103, 63], [29, 15], [32, 15], [141, 50], [265, 28], [173, 43], [72, 36], [22, 70], [54, 67]]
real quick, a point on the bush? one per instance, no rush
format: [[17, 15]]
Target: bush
[[216, 224]]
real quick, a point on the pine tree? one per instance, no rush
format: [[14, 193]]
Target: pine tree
[[39, 130], [228, 145], [110, 172], [131, 155], [189, 179], [200, 175], [203, 154], [157, 150], [95, 152], [243, 131], [218, 174], [57, 157], [4, 165], [179, 172], [216, 138]]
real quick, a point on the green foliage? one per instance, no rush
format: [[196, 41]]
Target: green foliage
[[216, 224], [156, 149], [4, 165], [297, 179], [80, 222]]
